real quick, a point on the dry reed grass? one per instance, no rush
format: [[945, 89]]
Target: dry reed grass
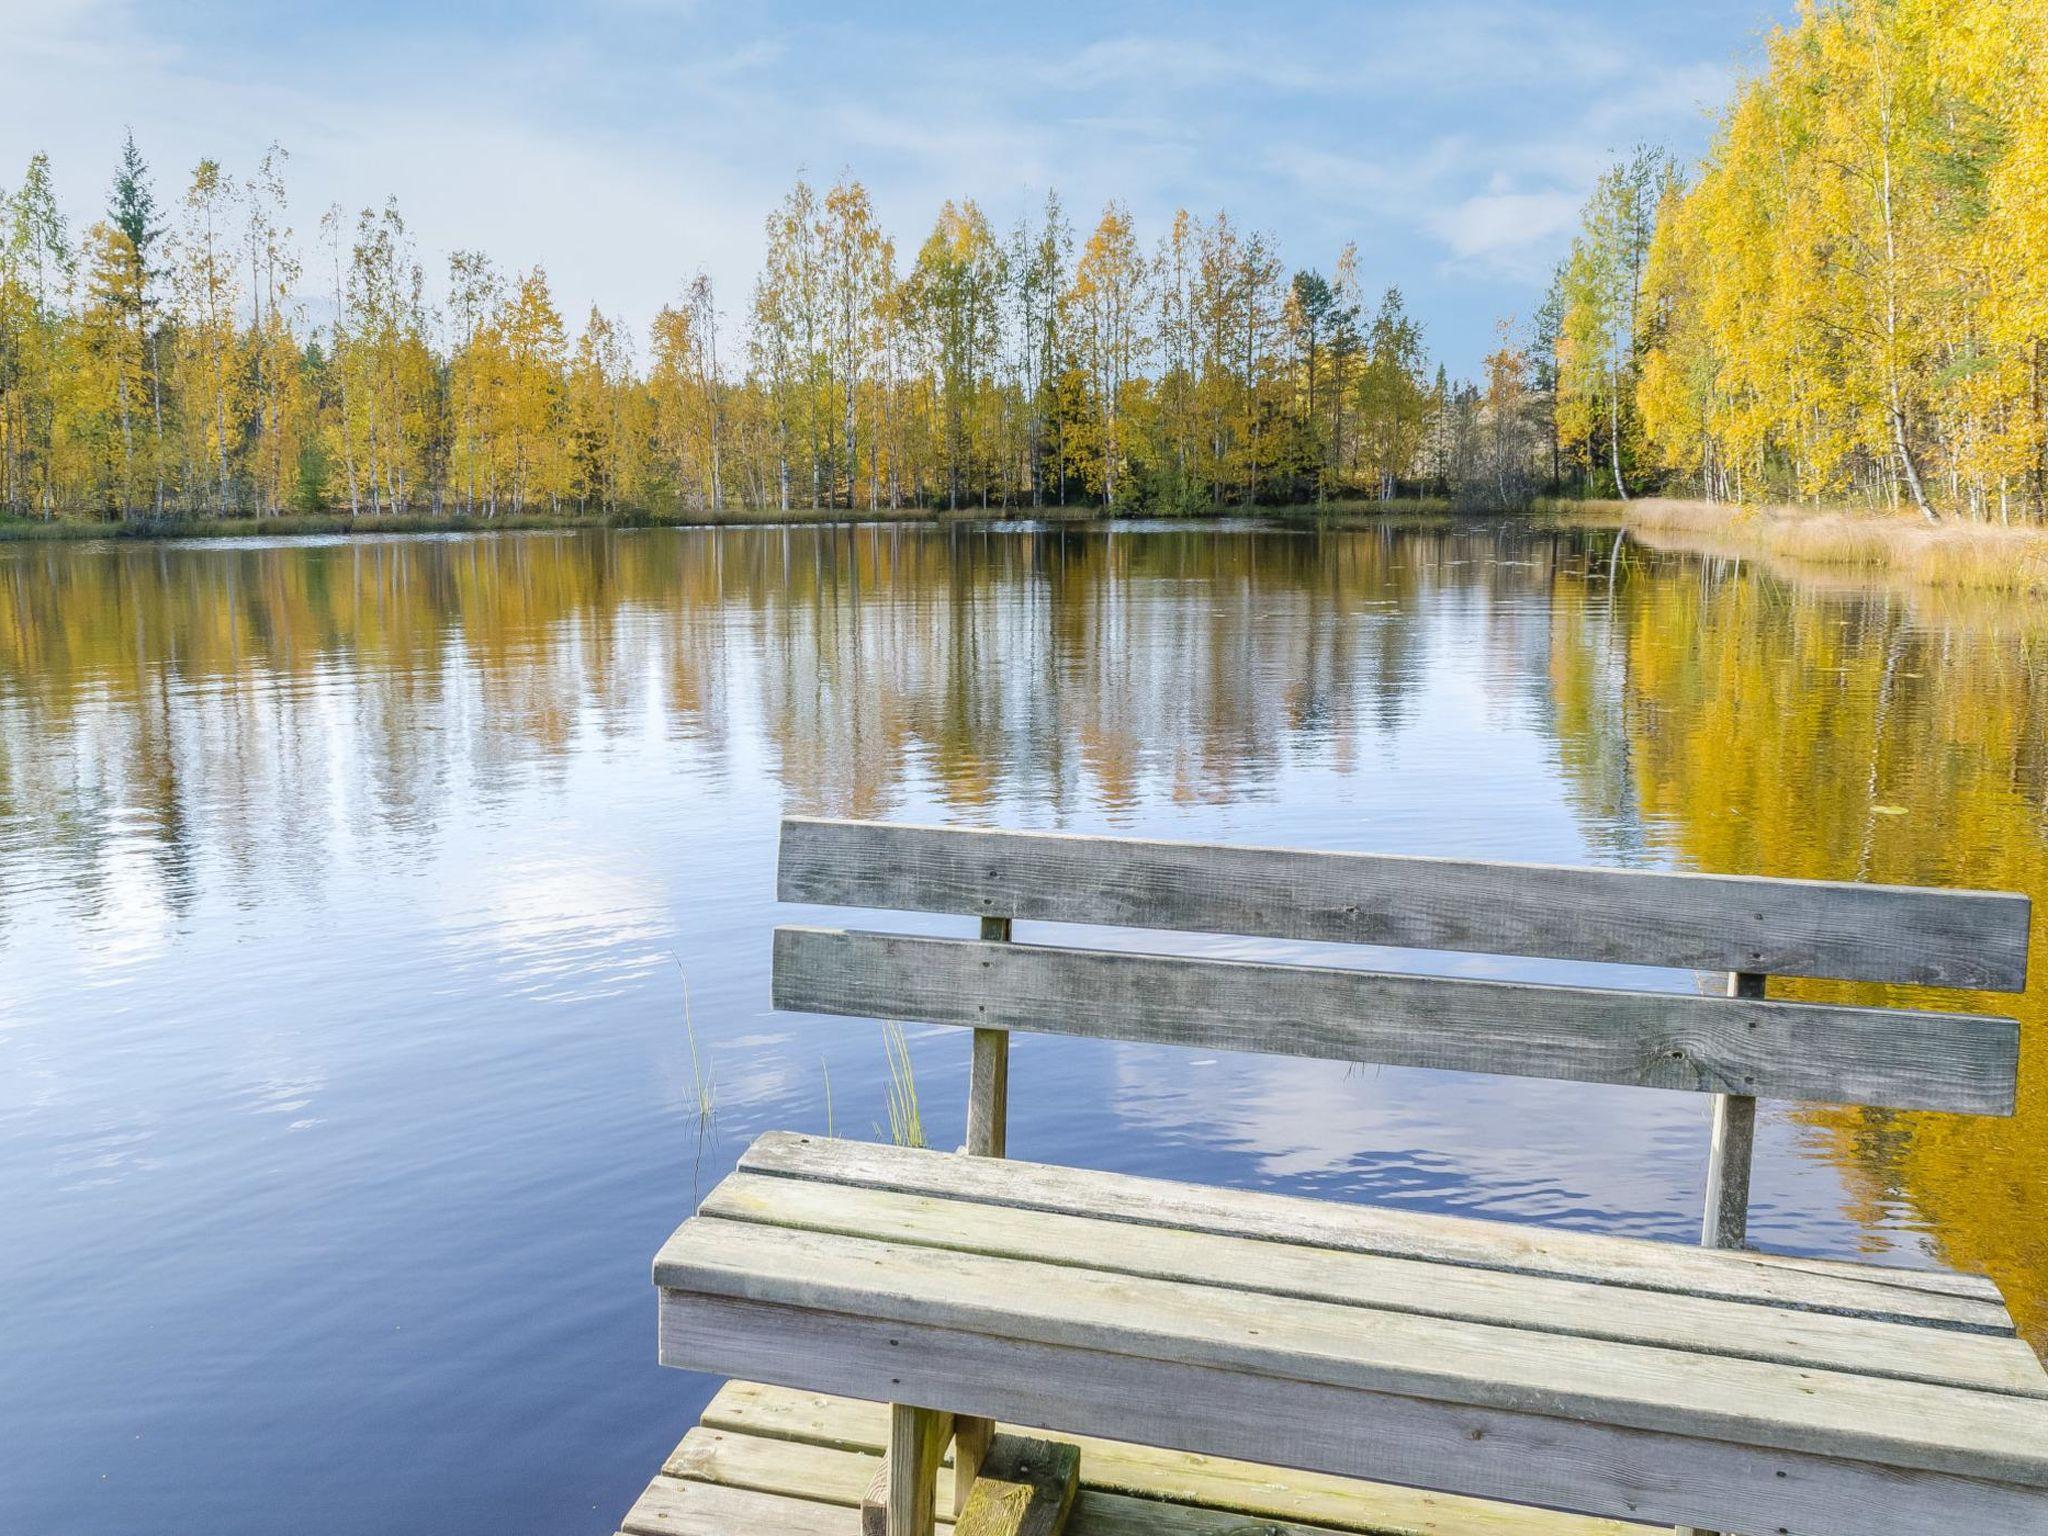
[[1980, 557]]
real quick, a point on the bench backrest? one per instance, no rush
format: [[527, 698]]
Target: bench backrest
[[1739, 1046], [1737, 924]]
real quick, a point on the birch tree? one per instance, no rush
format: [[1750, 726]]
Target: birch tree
[[209, 294], [1108, 300]]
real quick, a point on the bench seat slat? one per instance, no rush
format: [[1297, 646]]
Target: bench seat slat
[[1939, 1282], [1453, 1292], [1853, 932], [1892, 1423], [1557, 1463], [1634, 1263], [1778, 1050]]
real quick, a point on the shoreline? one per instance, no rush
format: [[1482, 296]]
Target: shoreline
[[341, 524]]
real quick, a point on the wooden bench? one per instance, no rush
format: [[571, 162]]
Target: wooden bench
[[1713, 1388]]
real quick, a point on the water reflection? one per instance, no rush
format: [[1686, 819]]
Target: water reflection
[[1846, 737], [267, 702], [345, 889]]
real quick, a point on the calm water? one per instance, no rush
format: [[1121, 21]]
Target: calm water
[[351, 895]]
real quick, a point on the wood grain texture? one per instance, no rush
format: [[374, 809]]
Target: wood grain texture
[[1026, 1487], [1574, 1309], [988, 1135], [775, 1467], [757, 1415], [1849, 1290], [917, 1441], [1731, 1149], [672, 1506], [988, 1080], [1731, 1153], [874, 1504], [1900, 1425], [1973, 939], [1556, 1463], [971, 1441], [1966, 1063], [1715, 1391], [1932, 1282]]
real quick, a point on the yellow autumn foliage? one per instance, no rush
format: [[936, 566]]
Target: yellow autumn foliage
[[1850, 302]]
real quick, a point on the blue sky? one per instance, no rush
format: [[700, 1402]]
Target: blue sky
[[625, 143]]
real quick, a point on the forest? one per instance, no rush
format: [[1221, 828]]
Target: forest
[[1844, 304], [197, 361], [1847, 302]]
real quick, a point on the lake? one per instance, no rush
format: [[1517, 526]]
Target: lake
[[377, 917]]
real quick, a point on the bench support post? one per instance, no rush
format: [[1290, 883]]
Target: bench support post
[[971, 1441], [917, 1444], [988, 1114], [988, 1084], [1726, 1222]]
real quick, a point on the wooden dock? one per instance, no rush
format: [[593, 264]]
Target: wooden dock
[[767, 1461]]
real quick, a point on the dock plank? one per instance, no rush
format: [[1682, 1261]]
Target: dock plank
[[674, 1507], [1235, 1489]]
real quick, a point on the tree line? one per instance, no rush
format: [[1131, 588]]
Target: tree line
[[195, 360], [1848, 301]]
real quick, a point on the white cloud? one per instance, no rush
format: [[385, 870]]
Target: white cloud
[[1660, 99], [1514, 233], [1377, 181], [1144, 63]]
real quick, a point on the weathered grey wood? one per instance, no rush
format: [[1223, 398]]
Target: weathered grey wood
[[1959, 1062], [988, 1089], [1189, 1500], [1749, 1392], [746, 1512], [917, 1440], [988, 1118], [1454, 1292], [1892, 1423], [1867, 1291], [1730, 1152], [709, 1508], [1026, 1487], [874, 1504], [1560, 1463], [1234, 1491], [746, 1459], [1700, 922], [1932, 1282], [675, 1507], [1732, 1149]]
